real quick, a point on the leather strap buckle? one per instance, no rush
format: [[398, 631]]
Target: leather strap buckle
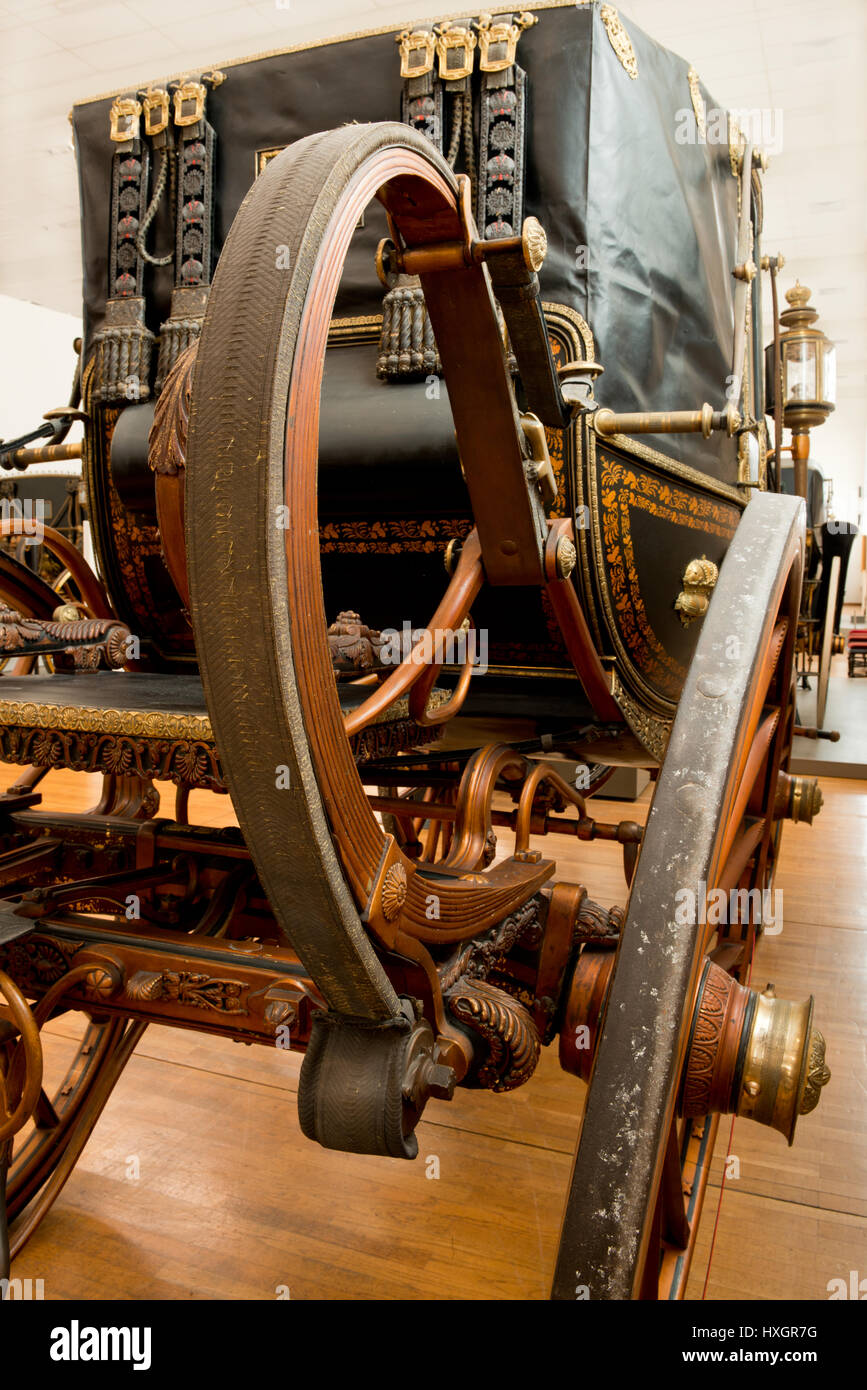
[[417, 52], [186, 92], [155, 106], [455, 50], [125, 115], [502, 38]]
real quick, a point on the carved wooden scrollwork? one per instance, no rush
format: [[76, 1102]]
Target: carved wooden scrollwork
[[167, 441], [506, 1029], [353, 645]]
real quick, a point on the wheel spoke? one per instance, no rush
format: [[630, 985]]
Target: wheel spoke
[[755, 761], [742, 850], [675, 1226], [45, 1115]]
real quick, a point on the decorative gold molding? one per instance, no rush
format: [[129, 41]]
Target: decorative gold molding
[[648, 728], [697, 103], [736, 146], [25, 714], [364, 328], [646, 656], [572, 325], [620, 40], [818, 1074], [624, 443], [92, 719], [597, 549]]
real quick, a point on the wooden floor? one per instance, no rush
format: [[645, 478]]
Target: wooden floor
[[198, 1184]]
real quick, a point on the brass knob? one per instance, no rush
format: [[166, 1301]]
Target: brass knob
[[797, 798], [566, 558], [534, 243], [66, 613]]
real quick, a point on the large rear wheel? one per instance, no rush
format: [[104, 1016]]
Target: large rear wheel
[[681, 1041]]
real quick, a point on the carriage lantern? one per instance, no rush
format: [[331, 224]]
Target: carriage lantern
[[808, 375]]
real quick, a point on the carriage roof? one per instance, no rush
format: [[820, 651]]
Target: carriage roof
[[628, 169]]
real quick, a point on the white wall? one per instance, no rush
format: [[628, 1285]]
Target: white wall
[[37, 364]]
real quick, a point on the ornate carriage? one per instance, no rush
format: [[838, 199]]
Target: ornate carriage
[[347, 310]]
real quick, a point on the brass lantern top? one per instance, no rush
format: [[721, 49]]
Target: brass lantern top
[[808, 360]]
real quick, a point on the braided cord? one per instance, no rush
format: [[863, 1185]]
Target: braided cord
[[151, 213]]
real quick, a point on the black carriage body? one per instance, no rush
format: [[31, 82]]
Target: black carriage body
[[638, 194]]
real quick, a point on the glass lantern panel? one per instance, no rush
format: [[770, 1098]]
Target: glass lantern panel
[[799, 363], [829, 373]]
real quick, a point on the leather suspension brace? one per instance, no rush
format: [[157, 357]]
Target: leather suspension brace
[[194, 220], [437, 68], [123, 344]]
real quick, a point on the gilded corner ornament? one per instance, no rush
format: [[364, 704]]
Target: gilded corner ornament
[[649, 729], [620, 40], [736, 145], [698, 105]]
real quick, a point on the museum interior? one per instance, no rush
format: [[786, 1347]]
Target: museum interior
[[455, 414]]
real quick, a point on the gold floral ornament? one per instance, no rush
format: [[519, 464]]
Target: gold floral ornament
[[394, 891], [818, 1074], [697, 103], [620, 40]]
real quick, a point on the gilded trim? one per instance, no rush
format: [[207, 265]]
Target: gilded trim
[[389, 537], [736, 146], [622, 488], [574, 327], [620, 40], [627, 445], [91, 719], [650, 731], [21, 714], [697, 103], [570, 322], [614, 549], [363, 329]]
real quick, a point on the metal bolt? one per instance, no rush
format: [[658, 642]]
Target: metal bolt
[[438, 1080]]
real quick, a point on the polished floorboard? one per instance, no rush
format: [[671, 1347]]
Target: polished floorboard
[[197, 1182]]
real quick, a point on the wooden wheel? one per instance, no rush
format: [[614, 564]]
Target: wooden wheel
[[253, 557], [44, 1151], [348, 895], [640, 1171]]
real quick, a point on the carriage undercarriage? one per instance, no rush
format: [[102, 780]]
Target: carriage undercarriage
[[362, 912]]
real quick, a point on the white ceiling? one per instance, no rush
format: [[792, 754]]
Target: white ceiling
[[802, 57]]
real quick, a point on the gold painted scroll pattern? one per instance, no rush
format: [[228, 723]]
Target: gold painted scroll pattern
[[623, 488]]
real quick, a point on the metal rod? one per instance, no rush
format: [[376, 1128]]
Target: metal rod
[[704, 421]]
